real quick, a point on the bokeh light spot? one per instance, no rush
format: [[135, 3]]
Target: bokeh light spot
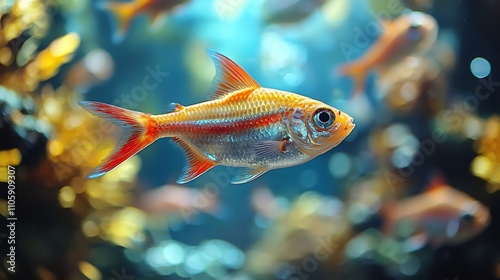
[[480, 67], [339, 165]]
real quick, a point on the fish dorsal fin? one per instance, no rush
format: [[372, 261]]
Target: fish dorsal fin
[[174, 107], [438, 182], [229, 77], [197, 162]]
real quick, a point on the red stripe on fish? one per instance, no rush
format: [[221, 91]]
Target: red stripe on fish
[[226, 127]]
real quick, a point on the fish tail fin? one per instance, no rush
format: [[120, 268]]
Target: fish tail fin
[[140, 132], [123, 13], [358, 73]]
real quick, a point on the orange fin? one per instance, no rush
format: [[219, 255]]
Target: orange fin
[[197, 162], [123, 12], [415, 242], [437, 182], [229, 77], [137, 134], [174, 107], [358, 73]]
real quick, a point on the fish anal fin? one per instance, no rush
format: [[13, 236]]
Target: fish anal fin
[[248, 174], [197, 162], [229, 77]]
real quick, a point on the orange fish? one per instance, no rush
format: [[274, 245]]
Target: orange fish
[[441, 215], [125, 12], [409, 34], [173, 198], [244, 125]]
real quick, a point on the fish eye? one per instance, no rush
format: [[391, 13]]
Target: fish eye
[[416, 20], [467, 217], [324, 118], [415, 24]]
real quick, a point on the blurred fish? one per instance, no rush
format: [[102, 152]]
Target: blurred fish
[[440, 216], [172, 198], [125, 12], [244, 125], [289, 11], [409, 34]]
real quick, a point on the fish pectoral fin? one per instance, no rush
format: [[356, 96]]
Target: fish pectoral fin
[[247, 175], [415, 242], [452, 228], [271, 148], [197, 162], [229, 77]]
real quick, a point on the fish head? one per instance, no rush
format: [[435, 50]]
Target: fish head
[[418, 31], [473, 218], [316, 127]]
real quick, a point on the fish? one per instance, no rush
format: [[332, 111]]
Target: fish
[[173, 198], [412, 33], [442, 215], [125, 12], [243, 125]]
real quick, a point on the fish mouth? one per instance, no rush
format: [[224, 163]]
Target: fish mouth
[[350, 125]]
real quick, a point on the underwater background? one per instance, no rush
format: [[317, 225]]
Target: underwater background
[[432, 114]]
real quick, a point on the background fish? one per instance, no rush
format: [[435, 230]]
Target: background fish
[[408, 34], [441, 215], [243, 126], [125, 12], [172, 198]]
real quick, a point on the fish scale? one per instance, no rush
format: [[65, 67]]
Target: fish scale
[[244, 125]]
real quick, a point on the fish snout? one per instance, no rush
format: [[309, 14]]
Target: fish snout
[[350, 124]]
